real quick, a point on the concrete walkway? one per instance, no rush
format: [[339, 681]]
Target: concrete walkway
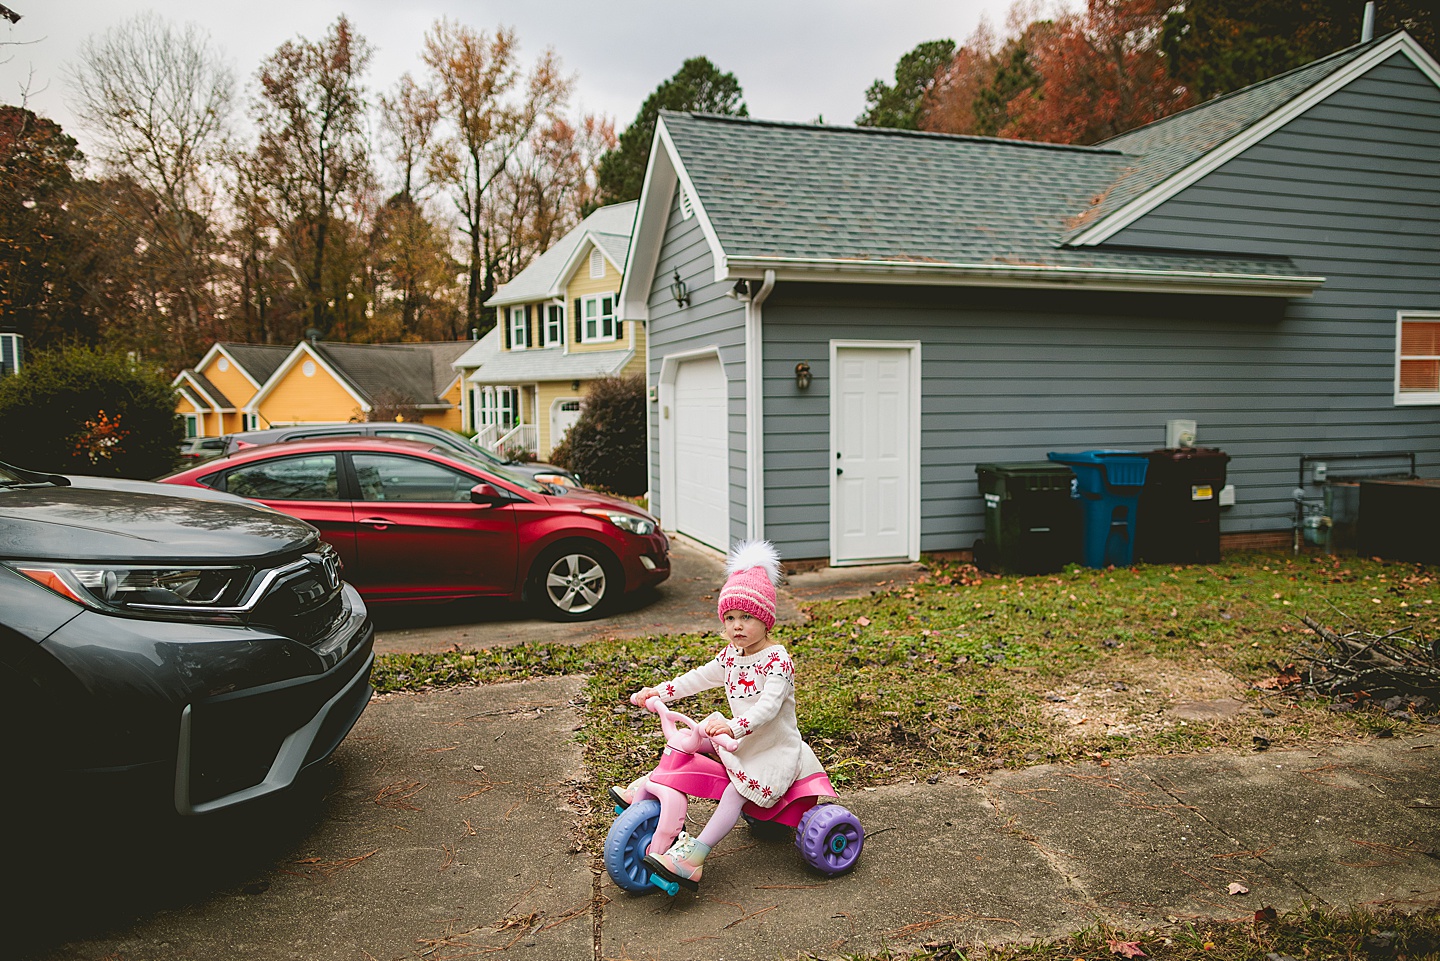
[[447, 826]]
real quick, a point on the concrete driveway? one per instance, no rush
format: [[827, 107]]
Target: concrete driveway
[[683, 604], [447, 826]]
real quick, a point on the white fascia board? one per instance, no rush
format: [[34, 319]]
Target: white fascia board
[[196, 388], [185, 391], [662, 175], [712, 239], [562, 282], [217, 348], [244, 371], [906, 272], [209, 356], [302, 350], [648, 233], [1402, 42]]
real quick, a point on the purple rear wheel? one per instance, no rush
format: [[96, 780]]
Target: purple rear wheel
[[830, 838]]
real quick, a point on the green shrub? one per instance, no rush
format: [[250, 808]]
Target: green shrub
[[606, 446], [80, 410]]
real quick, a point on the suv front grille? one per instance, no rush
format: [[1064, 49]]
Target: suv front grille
[[306, 602]]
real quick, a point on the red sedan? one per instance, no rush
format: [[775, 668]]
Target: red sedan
[[416, 522]]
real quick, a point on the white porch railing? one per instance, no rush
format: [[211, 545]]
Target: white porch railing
[[486, 436], [522, 438]]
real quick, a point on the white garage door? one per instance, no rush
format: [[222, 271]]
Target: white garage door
[[702, 462]]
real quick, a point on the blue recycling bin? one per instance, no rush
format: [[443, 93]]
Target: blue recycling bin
[[1107, 485]]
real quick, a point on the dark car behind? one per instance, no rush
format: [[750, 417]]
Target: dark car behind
[[199, 649], [541, 473]]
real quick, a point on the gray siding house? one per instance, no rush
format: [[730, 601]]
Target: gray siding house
[[1266, 264]]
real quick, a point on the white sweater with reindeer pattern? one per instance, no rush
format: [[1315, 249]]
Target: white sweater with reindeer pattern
[[761, 689]]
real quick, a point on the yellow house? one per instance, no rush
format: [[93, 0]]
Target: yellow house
[[320, 383], [558, 328], [212, 394], [239, 387]]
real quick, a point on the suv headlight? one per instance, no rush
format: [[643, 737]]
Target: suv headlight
[[624, 521], [199, 592]]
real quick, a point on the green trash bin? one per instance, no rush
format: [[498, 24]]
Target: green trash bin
[[1032, 524]]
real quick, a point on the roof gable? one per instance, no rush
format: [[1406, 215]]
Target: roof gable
[[1175, 152], [546, 276], [873, 205], [255, 362], [197, 383], [300, 353]]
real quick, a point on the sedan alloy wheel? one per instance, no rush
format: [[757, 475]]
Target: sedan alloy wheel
[[575, 583]]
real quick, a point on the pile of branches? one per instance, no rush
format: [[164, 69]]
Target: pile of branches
[[1395, 668]]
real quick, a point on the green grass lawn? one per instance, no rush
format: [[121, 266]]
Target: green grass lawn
[[971, 671]]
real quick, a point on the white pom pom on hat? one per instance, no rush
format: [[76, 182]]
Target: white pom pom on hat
[[754, 569]]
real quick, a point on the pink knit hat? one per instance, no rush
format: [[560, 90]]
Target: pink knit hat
[[754, 569]]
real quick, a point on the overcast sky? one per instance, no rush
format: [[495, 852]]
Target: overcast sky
[[795, 59]]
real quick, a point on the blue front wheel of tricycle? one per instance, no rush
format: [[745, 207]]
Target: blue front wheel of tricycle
[[624, 853], [830, 838]]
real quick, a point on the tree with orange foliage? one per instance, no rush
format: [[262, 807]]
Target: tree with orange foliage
[[1100, 73], [489, 111]]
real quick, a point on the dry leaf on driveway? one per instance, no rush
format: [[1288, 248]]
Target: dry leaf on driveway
[[1127, 949], [1237, 888]]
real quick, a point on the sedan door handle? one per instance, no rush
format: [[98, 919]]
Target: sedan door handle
[[379, 523]]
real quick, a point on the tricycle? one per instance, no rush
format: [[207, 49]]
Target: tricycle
[[829, 837]]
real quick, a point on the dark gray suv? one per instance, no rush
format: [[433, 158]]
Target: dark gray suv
[[166, 644], [437, 436]]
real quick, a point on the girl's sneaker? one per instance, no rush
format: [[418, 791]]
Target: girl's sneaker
[[682, 864], [622, 796]]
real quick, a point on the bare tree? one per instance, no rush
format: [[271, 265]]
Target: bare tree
[[491, 111], [158, 100], [408, 116]]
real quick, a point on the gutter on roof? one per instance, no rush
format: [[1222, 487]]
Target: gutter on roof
[[1029, 275]]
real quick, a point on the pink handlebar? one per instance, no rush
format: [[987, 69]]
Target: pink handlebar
[[669, 718]]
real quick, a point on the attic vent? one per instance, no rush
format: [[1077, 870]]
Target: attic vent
[[597, 263], [687, 209]]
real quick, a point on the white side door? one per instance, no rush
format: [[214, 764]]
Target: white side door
[[874, 433], [701, 452]]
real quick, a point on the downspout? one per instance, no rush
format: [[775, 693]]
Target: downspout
[[754, 412]]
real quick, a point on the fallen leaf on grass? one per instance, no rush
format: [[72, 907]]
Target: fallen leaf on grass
[[1266, 915], [863, 621], [1237, 888], [1127, 949], [1287, 676]]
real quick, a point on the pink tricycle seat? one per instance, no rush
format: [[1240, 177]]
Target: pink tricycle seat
[[701, 775]]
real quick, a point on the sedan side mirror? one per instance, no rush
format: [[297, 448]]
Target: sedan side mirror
[[486, 495]]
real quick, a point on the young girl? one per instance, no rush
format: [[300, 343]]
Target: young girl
[[759, 680]]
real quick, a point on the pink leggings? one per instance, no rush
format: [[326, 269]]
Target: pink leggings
[[672, 815], [724, 818]]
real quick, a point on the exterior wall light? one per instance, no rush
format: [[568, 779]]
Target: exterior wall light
[[802, 375], [679, 291]]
